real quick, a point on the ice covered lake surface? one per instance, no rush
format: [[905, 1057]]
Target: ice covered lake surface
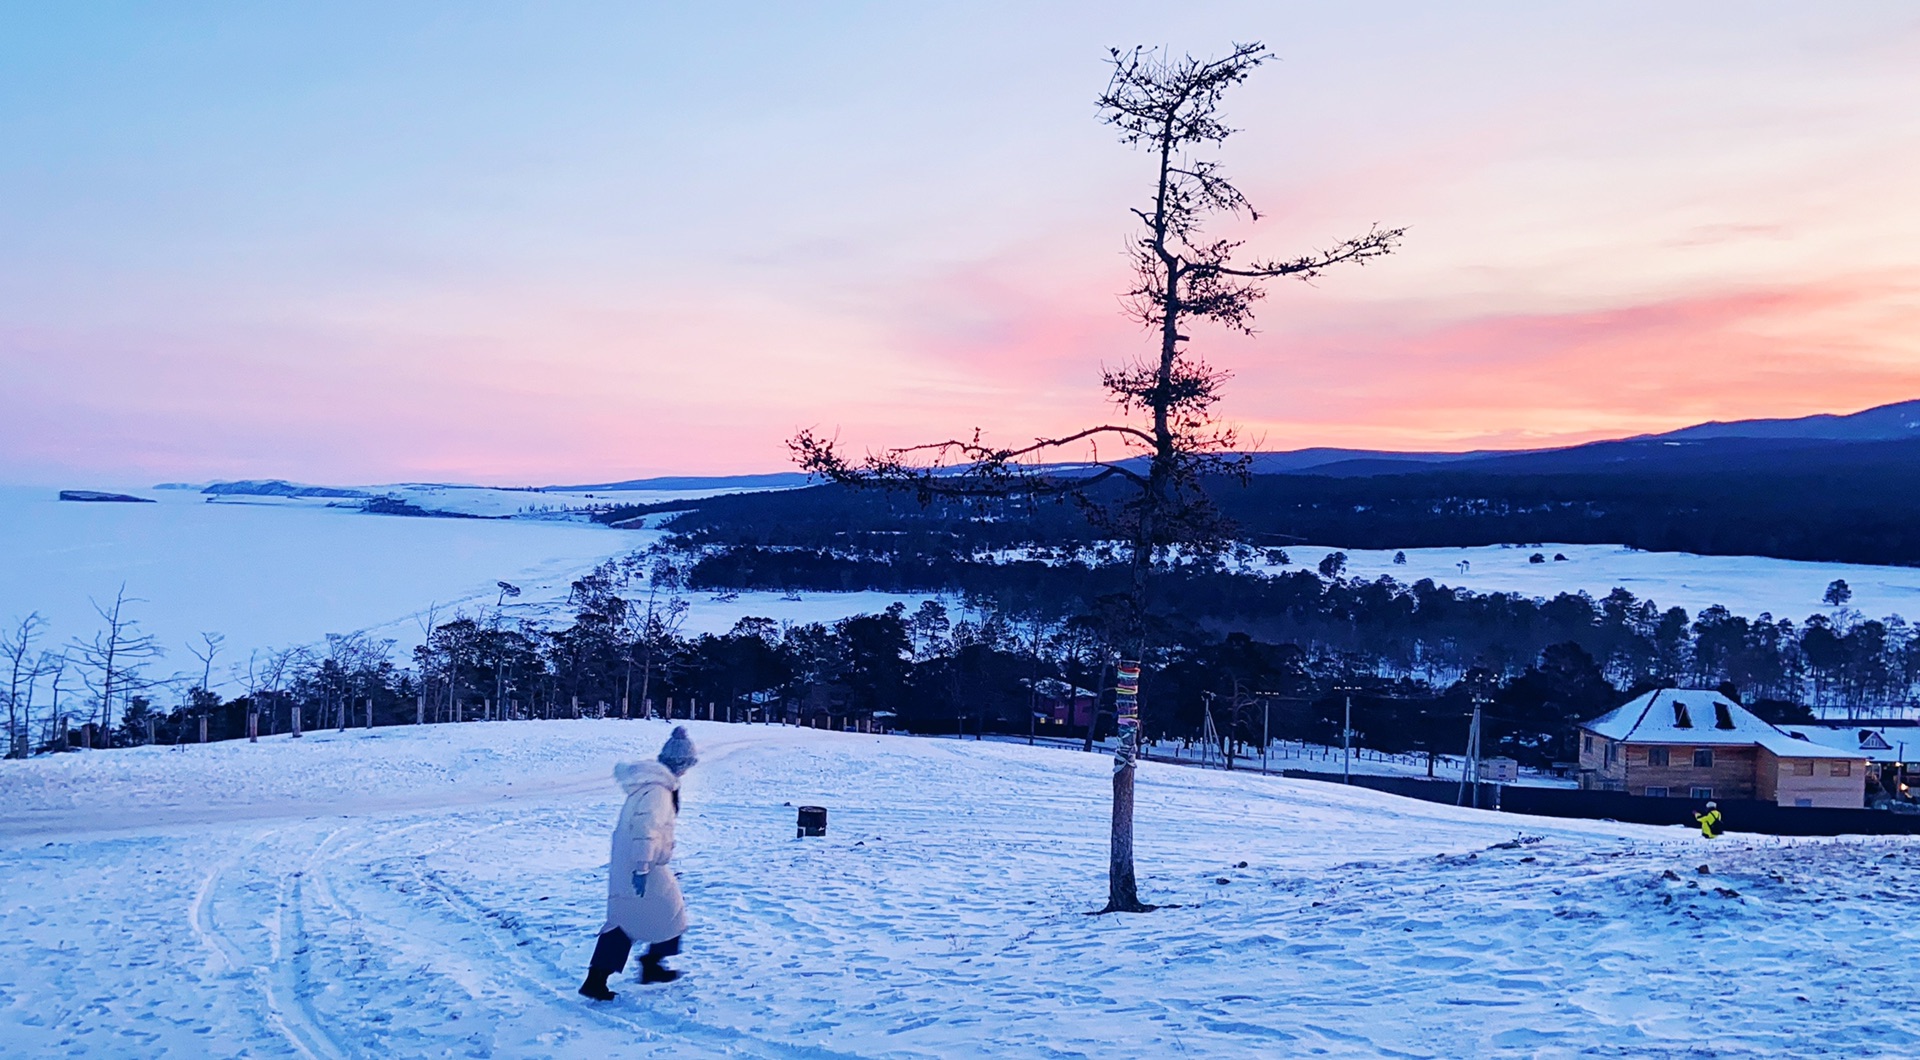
[[435, 892], [271, 573]]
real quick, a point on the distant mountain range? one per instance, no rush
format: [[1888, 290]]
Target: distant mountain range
[[1886, 423], [1835, 488], [1703, 447], [1741, 441], [775, 480]]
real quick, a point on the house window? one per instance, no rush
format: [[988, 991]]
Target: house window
[[1722, 719], [1656, 792], [1657, 756], [1681, 719], [1611, 747], [1839, 769], [1700, 793], [1703, 758], [1589, 745], [1803, 769]]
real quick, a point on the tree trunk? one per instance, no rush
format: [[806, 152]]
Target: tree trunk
[[1122, 895]]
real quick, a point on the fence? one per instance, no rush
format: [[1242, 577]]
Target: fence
[[1742, 815]]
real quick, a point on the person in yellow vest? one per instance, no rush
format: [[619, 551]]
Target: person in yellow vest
[[1710, 821]]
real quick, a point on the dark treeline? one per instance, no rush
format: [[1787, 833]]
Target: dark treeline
[[1026, 646], [1854, 503], [1421, 631]]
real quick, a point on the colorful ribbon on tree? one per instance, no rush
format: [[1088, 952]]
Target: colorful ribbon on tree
[[1126, 712]]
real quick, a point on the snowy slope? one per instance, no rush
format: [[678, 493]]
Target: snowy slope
[[435, 892]]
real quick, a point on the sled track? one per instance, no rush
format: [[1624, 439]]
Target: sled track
[[288, 1014], [293, 964], [538, 978]]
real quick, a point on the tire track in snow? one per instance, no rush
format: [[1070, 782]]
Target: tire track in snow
[[538, 978], [203, 919], [292, 971], [487, 980]]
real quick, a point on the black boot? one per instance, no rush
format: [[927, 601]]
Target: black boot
[[596, 987], [655, 972]]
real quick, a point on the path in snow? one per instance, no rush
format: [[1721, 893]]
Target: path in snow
[[435, 892]]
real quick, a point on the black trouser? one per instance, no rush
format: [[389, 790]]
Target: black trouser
[[610, 953]]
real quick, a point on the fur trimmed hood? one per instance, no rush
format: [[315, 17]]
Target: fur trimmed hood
[[632, 776]]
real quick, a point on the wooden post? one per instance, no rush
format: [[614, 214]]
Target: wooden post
[[150, 727], [623, 706], [253, 725], [294, 711], [203, 728], [576, 706], [669, 708], [420, 709], [369, 712], [459, 711]]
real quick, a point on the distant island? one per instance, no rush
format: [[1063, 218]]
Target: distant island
[[97, 496]]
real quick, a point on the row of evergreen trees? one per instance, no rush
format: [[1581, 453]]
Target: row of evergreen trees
[[1835, 659], [1269, 655]]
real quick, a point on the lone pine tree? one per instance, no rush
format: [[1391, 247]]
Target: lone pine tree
[[1168, 108]]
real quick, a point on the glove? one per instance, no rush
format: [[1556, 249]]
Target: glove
[[640, 884]]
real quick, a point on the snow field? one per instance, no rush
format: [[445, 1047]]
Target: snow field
[[1745, 585], [435, 891]]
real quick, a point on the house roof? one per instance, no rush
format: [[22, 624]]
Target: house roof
[[1868, 742], [1703, 718]]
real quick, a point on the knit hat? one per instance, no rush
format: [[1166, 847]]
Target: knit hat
[[678, 754]]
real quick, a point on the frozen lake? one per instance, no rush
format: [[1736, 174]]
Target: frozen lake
[[272, 573]]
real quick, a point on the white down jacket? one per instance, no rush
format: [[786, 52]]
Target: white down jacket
[[643, 842]]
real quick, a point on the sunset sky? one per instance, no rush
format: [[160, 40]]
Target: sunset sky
[[546, 243]]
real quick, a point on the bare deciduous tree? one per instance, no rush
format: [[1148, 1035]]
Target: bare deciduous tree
[[112, 663], [15, 650], [209, 647], [1169, 108]]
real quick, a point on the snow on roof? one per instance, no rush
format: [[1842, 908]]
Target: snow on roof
[[1704, 718], [1869, 743]]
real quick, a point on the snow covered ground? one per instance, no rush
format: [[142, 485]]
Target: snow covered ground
[[1746, 585], [434, 892]]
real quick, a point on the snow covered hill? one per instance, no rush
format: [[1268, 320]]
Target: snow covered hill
[[435, 891]]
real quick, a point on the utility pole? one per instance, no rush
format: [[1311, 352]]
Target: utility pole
[[1346, 741], [1470, 769], [1346, 688], [1266, 729]]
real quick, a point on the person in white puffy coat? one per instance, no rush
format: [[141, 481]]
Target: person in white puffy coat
[[644, 904]]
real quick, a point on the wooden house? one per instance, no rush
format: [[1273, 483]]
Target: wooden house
[[1696, 744]]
